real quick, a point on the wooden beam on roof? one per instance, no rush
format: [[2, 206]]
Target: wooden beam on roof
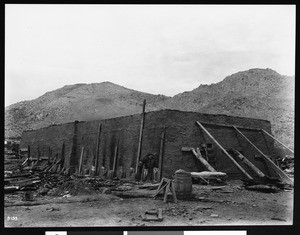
[[224, 151], [281, 174]]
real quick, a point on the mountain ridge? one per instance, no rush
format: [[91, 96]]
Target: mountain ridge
[[254, 93]]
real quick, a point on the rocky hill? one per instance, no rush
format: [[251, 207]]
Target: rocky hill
[[83, 102], [255, 93]]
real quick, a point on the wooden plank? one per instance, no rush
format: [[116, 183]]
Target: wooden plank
[[268, 134], [139, 152], [248, 163], [202, 160], [80, 162], [161, 154], [224, 151], [281, 174], [97, 148]]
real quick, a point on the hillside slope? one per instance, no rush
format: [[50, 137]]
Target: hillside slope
[[81, 102], [255, 93]]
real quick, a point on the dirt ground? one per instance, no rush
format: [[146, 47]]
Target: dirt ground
[[210, 205]]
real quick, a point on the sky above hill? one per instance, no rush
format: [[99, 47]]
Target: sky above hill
[[159, 49]]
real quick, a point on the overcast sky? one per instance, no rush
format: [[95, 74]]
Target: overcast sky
[[159, 49]]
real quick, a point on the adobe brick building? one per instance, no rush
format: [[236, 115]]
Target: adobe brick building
[[66, 140]]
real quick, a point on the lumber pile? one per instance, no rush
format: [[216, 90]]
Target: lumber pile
[[26, 174]]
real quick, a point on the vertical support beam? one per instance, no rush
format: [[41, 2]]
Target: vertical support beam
[[161, 154], [139, 152], [115, 159], [73, 161], [28, 151], [38, 153], [224, 151], [282, 175], [28, 155], [268, 134], [49, 153], [97, 148], [62, 162], [80, 163]]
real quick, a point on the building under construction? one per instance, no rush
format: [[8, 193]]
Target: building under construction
[[240, 147]]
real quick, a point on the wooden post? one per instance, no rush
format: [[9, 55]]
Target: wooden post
[[248, 163], [139, 152], [282, 175], [115, 159], [80, 163], [62, 163], [73, 160], [38, 153], [28, 155], [277, 141], [202, 160], [97, 148], [161, 154], [224, 151], [49, 153]]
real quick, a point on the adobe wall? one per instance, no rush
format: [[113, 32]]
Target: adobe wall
[[181, 131]]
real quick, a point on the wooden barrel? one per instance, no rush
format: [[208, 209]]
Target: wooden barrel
[[183, 184]]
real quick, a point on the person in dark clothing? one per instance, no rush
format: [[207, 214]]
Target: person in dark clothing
[[148, 162]]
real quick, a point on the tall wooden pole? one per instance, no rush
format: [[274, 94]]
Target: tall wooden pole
[[139, 152], [97, 147], [224, 151], [277, 140], [161, 154], [282, 175]]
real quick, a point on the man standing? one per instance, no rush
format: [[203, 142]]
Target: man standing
[[149, 162]]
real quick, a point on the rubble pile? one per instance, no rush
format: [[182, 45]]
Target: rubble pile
[[37, 177]]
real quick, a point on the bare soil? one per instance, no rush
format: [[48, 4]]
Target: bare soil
[[210, 205]]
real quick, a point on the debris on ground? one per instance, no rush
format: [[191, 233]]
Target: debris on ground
[[265, 184], [153, 215], [149, 186]]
